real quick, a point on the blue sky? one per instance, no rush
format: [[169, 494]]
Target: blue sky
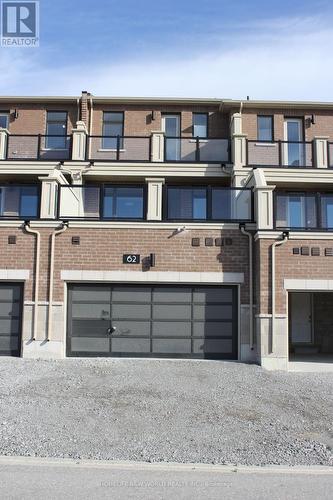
[[268, 50]]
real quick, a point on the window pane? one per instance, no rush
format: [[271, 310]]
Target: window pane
[[29, 202], [327, 211], [113, 125], [200, 125], [265, 128], [296, 211], [123, 202], [187, 203], [57, 116], [113, 117], [221, 203], [3, 121]]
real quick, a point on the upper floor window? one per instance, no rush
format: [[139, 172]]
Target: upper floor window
[[200, 125], [4, 120], [123, 202], [186, 203], [56, 130], [113, 126], [265, 128], [19, 201], [296, 210]]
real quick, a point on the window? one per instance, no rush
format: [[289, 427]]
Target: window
[[327, 211], [200, 125], [4, 120], [123, 202], [113, 126], [265, 128], [19, 201], [296, 210], [56, 130], [187, 203]]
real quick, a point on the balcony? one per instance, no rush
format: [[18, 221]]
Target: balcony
[[129, 202], [20, 201], [38, 147], [280, 154], [113, 148]]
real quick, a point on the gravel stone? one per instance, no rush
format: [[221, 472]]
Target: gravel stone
[[165, 410]]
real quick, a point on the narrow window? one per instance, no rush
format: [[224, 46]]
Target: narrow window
[[200, 125], [113, 126], [265, 128], [4, 120], [56, 130]]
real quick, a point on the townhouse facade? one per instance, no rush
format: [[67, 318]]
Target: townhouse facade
[[190, 228]]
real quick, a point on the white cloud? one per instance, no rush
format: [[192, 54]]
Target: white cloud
[[282, 59]]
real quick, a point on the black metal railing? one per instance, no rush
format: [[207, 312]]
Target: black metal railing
[[196, 149], [290, 154], [38, 147]]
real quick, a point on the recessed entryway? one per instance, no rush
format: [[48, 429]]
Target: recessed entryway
[[181, 321], [311, 327]]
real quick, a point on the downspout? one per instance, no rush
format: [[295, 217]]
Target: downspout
[[36, 298], [249, 235], [274, 245], [49, 317], [78, 109]]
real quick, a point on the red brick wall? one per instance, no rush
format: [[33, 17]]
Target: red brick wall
[[102, 249], [289, 266]]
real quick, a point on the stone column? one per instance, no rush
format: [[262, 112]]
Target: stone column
[[320, 152], [3, 143], [155, 194], [157, 146], [79, 141], [264, 206]]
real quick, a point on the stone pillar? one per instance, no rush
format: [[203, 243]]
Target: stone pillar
[[3, 143], [79, 141], [320, 152], [155, 194], [157, 146], [238, 147], [264, 206], [49, 197]]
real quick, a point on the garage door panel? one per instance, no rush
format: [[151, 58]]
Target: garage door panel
[[94, 311], [9, 326], [209, 295], [89, 328], [9, 343], [135, 294], [90, 344], [131, 311], [213, 346], [130, 345], [211, 312], [183, 295], [172, 346], [91, 294], [137, 328], [171, 328], [212, 328], [172, 311], [10, 309]]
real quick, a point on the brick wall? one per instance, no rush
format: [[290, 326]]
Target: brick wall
[[323, 122], [32, 117], [102, 249], [289, 266]]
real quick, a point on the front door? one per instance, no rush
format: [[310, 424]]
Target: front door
[[294, 153], [301, 318], [171, 128]]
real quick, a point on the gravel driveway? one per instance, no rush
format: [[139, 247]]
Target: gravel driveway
[[161, 410]]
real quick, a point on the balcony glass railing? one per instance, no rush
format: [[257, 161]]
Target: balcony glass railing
[[280, 154], [19, 202], [303, 211], [195, 149], [118, 148], [38, 147], [208, 203]]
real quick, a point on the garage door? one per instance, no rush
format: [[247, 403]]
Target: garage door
[[160, 321], [10, 319]]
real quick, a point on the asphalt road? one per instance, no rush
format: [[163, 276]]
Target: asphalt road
[[27, 478]]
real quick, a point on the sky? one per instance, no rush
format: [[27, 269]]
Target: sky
[[177, 48]]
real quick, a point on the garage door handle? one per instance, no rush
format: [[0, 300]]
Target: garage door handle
[[111, 330]]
